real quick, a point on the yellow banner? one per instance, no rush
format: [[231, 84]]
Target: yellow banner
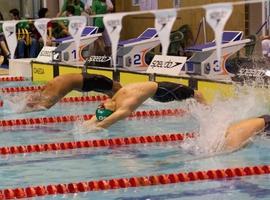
[[42, 72]]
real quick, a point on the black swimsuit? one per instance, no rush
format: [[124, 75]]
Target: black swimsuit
[[97, 83], [168, 91], [267, 122]]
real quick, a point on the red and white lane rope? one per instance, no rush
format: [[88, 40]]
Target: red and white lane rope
[[22, 89], [80, 99], [112, 142], [17, 89], [12, 78], [64, 100], [132, 182], [84, 99], [72, 118]]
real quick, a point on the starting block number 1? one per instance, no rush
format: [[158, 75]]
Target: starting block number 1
[[74, 54]]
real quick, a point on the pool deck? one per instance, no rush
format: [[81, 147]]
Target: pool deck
[[3, 72]]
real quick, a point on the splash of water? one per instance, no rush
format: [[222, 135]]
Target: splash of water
[[20, 102], [81, 131], [215, 119], [16, 102]]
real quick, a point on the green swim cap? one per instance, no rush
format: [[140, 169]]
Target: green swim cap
[[102, 113]]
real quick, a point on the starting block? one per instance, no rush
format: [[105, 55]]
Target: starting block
[[66, 49], [131, 53], [204, 60]]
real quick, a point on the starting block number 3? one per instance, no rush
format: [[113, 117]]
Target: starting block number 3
[[215, 66]]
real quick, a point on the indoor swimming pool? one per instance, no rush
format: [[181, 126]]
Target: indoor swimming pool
[[114, 162]]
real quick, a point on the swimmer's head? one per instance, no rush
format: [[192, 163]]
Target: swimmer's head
[[105, 109]]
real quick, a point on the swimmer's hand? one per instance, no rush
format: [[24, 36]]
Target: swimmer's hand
[[90, 127], [27, 109], [200, 98]]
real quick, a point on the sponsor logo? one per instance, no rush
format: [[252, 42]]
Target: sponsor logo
[[46, 53], [165, 64], [42, 28], [114, 24], [10, 29], [163, 21], [75, 26], [217, 16], [56, 56], [252, 73], [100, 59], [38, 71]]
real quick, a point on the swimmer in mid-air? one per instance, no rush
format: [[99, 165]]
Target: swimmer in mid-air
[[61, 85], [131, 96]]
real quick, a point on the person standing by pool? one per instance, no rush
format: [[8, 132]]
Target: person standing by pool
[[88, 6], [99, 7], [77, 4], [61, 85], [130, 97]]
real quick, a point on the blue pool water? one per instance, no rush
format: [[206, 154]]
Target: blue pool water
[[137, 160], [4, 84]]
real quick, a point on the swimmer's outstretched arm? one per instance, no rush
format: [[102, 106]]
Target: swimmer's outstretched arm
[[238, 134]]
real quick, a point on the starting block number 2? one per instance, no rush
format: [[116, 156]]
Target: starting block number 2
[[137, 59]]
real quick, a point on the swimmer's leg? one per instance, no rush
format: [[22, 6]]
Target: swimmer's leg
[[238, 134]]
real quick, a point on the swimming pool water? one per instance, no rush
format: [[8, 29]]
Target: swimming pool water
[[107, 163], [248, 188], [4, 84], [137, 160]]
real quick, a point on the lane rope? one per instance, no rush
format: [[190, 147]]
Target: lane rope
[[76, 99], [84, 99], [80, 99], [64, 100], [132, 182], [22, 89], [34, 148], [12, 78], [72, 118]]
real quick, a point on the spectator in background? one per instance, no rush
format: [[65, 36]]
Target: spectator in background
[[88, 6], [60, 28], [99, 7], [77, 4], [107, 42], [110, 6], [26, 40], [5, 54], [44, 13]]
